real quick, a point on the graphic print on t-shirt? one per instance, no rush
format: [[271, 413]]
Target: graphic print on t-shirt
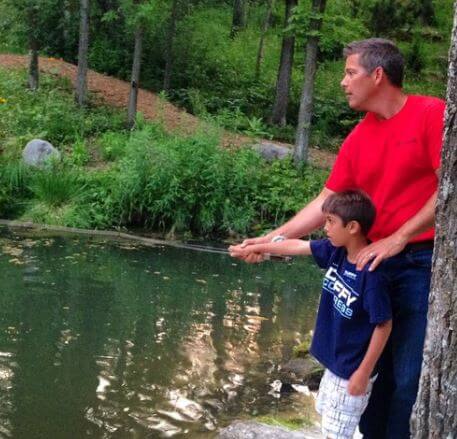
[[343, 295]]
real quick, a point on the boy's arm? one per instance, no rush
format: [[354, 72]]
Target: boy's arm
[[288, 247], [359, 380]]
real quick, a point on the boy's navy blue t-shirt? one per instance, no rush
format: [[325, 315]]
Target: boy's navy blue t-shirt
[[352, 304]]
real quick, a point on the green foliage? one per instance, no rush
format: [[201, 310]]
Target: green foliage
[[50, 112], [56, 185], [14, 178], [111, 144], [285, 190], [415, 58], [155, 180], [184, 184], [80, 153]]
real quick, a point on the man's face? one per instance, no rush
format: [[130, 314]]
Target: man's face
[[358, 85]]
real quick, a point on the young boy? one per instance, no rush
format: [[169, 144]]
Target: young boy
[[354, 318]]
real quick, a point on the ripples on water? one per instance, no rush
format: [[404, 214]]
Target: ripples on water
[[108, 340]]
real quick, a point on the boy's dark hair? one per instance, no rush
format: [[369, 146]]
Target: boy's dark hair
[[378, 52], [351, 205]]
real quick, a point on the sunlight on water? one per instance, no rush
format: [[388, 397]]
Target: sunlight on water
[[102, 339]]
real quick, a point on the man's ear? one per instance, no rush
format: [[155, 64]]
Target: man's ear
[[353, 227], [378, 74]]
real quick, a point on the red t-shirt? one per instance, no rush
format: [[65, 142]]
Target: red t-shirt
[[394, 161]]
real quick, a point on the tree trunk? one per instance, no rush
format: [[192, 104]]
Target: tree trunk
[[279, 112], [306, 102], [136, 68], [81, 79], [266, 25], [66, 19], [169, 49], [33, 75], [239, 17], [436, 407]]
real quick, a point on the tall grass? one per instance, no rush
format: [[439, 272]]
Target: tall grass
[[57, 186]]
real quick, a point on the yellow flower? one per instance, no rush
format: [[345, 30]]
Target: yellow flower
[[3, 101]]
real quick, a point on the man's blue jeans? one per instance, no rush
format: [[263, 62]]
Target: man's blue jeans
[[395, 390]]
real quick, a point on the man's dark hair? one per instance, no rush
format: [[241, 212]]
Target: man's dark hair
[[378, 52], [351, 205]]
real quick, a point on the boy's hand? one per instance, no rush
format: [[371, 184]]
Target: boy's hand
[[358, 383], [245, 253]]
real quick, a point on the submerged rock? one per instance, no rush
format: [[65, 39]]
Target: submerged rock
[[37, 152], [307, 371], [255, 430], [272, 151]]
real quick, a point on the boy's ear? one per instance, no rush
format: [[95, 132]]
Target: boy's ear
[[353, 227]]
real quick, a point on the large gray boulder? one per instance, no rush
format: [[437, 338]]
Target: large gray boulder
[[272, 151], [255, 430], [38, 152]]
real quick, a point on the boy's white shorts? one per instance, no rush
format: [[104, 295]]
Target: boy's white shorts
[[340, 411]]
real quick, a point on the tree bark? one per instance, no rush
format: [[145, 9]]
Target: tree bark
[[81, 79], [239, 17], [33, 73], [436, 407], [306, 102], [279, 113], [135, 79], [169, 48], [266, 25], [66, 19]]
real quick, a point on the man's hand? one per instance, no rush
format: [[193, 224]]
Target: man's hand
[[358, 383], [380, 250]]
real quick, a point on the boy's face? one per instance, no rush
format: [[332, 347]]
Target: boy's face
[[336, 231]]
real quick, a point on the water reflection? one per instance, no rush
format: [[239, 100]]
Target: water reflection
[[105, 340]]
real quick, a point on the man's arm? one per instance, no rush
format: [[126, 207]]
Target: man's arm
[[308, 219], [359, 379], [289, 247], [304, 222], [395, 243]]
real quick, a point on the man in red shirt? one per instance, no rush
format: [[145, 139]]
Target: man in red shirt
[[393, 154]]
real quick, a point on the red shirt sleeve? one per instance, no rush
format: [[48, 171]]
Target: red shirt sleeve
[[341, 177], [434, 131]]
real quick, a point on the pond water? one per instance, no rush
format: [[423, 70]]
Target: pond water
[[112, 340]]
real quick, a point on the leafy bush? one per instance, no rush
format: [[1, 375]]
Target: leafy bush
[[14, 178], [112, 144], [56, 186]]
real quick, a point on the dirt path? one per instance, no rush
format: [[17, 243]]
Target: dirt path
[[115, 92]]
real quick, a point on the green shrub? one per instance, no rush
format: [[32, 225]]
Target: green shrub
[[14, 177], [56, 186], [112, 144]]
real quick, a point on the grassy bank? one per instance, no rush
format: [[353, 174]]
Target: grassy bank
[[110, 177]]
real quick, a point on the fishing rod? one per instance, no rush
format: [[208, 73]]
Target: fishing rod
[[117, 235], [224, 251]]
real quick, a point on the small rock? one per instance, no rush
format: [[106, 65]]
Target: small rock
[[255, 430], [37, 152], [307, 371], [272, 151]]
